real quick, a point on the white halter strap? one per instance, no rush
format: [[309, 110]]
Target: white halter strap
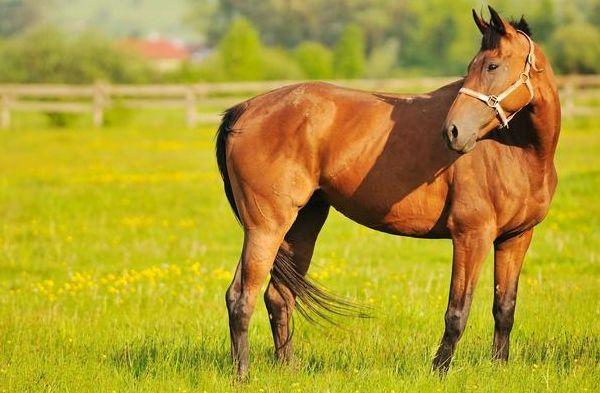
[[493, 101]]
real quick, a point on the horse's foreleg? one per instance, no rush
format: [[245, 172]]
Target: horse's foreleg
[[470, 249], [299, 246], [508, 260]]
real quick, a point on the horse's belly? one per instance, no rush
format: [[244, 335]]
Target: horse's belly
[[420, 213]]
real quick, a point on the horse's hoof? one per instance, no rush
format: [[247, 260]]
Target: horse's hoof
[[242, 376], [440, 366]]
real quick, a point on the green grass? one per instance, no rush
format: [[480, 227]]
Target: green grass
[[117, 245]]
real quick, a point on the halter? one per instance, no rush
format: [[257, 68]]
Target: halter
[[493, 101]]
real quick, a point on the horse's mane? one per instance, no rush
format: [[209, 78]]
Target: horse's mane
[[491, 37]]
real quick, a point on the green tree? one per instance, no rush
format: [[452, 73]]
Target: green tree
[[543, 20], [46, 55], [288, 23], [315, 59], [575, 48], [241, 51], [382, 60], [17, 16], [432, 36], [349, 55], [279, 65]]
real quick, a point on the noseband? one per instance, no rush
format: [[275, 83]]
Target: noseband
[[494, 101]]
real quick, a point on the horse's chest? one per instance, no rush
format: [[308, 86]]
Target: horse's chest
[[525, 204], [507, 196]]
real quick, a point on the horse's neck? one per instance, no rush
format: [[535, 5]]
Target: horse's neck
[[538, 128], [544, 121]]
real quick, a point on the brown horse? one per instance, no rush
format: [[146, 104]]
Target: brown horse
[[395, 164]]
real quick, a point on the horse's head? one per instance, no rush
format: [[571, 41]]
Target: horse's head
[[498, 83]]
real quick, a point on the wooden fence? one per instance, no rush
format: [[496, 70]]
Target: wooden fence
[[580, 95]]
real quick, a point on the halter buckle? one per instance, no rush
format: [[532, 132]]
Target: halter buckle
[[524, 77], [492, 101]]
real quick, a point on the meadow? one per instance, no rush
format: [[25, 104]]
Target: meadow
[[117, 245]]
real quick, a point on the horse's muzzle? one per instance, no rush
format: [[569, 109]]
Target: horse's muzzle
[[457, 142]]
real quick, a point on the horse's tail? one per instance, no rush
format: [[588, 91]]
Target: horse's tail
[[314, 303], [230, 117]]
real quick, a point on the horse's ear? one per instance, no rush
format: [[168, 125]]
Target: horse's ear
[[479, 22], [523, 26], [496, 22]]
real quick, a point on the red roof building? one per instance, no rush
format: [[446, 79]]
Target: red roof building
[[166, 55]]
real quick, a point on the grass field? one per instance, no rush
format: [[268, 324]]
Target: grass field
[[117, 245]]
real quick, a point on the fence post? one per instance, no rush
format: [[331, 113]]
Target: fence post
[[98, 105], [5, 111], [191, 107], [569, 97]]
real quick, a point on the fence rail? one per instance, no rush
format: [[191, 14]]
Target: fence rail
[[580, 95]]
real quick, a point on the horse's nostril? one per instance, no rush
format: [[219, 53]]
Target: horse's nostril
[[453, 131]]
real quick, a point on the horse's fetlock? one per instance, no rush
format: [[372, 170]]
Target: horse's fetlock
[[455, 323], [504, 315]]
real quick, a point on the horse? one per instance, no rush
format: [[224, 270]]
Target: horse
[[472, 162]]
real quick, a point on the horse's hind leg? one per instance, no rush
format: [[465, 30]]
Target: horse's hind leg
[[265, 226], [298, 246], [508, 260], [266, 216]]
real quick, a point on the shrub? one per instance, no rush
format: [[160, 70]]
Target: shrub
[[382, 60], [349, 58], [277, 65], [241, 52], [46, 55], [315, 60]]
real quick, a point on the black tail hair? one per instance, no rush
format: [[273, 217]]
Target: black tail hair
[[230, 117], [313, 302]]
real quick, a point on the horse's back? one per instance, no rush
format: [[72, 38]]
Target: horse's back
[[292, 125]]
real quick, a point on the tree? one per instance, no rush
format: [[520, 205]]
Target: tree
[[432, 36], [315, 59], [46, 55], [17, 16], [383, 59], [349, 56], [278, 65], [575, 48], [241, 51], [288, 23]]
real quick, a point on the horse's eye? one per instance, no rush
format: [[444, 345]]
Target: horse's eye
[[492, 67]]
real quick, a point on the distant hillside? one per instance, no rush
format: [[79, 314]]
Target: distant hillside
[[125, 17]]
